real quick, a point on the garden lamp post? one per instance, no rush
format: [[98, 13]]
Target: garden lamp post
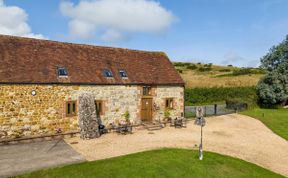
[[201, 122]]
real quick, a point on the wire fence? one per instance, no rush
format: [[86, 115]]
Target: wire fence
[[216, 109]]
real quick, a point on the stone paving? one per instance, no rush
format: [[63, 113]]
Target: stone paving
[[21, 158]]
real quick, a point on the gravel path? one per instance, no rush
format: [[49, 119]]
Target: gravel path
[[234, 135]]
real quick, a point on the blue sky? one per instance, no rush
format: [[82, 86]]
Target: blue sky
[[237, 32]]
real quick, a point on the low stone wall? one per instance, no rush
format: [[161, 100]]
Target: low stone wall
[[22, 114]]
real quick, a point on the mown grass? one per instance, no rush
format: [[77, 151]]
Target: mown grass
[[275, 119], [160, 163]]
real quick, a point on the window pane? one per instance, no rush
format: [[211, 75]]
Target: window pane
[[62, 72], [74, 108], [107, 73], [171, 103], [100, 107], [68, 108], [123, 73], [146, 91]]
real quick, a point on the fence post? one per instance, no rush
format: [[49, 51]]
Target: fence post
[[215, 109]]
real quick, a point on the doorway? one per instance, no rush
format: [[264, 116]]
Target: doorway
[[146, 109]]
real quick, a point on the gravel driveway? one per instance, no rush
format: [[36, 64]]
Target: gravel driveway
[[235, 135]]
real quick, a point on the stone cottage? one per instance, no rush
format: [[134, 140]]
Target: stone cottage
[[40, 81]]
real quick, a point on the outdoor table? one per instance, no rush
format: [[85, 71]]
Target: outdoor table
[[178, 123], [124, 129]]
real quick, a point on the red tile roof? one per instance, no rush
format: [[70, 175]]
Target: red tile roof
[[25, 60]]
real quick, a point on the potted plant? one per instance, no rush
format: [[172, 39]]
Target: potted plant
[[126, 116], [167, 115]]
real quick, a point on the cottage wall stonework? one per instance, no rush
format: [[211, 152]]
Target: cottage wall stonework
[[22, 114]]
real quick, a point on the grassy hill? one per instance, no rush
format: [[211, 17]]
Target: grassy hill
[[208, 75]]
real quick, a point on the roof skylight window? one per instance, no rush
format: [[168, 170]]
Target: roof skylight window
[[62, 72], [123, 73], [107, 73]]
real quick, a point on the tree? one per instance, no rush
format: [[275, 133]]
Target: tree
[[273, 88]]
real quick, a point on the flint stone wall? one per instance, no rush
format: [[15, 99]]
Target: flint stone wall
[[22, 114], [88, 121]]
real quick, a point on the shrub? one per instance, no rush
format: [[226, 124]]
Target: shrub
[[225, 70], [205, 69], [247, 71], [181, 64], [271, 91], [167, 113], [199, 96], [178, 64], [126, 116], [208, 65], [243, 71], [192, 67], [236, 103]]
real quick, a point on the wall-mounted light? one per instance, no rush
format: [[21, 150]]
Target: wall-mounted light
[[33, 93]]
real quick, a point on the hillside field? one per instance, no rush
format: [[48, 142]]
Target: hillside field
[[208, 75]]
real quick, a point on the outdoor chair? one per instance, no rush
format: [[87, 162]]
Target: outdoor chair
[[178, 122], [102, 129], [123, 129]]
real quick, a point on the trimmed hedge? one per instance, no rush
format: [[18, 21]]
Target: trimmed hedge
[[200, 96]]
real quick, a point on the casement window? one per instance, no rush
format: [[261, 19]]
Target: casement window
[[62, 72], [99, 108], [108, 73], [71, 108], [123, 73], [147, 91], [169, 103]]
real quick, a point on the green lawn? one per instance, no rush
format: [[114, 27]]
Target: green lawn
[[160, 163], [275, 119]]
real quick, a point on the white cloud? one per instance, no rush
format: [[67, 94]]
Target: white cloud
[[111, 19], [13, 21], [237, 60], [232, 58], [112, 35], [253, 63]]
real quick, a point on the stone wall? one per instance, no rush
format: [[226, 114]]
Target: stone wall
[[163, 92], [22, 114]]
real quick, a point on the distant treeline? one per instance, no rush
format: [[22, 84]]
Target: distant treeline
[[201, 96], [244, 71]]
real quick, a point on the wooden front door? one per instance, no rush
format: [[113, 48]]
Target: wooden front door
[[146, 109]]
